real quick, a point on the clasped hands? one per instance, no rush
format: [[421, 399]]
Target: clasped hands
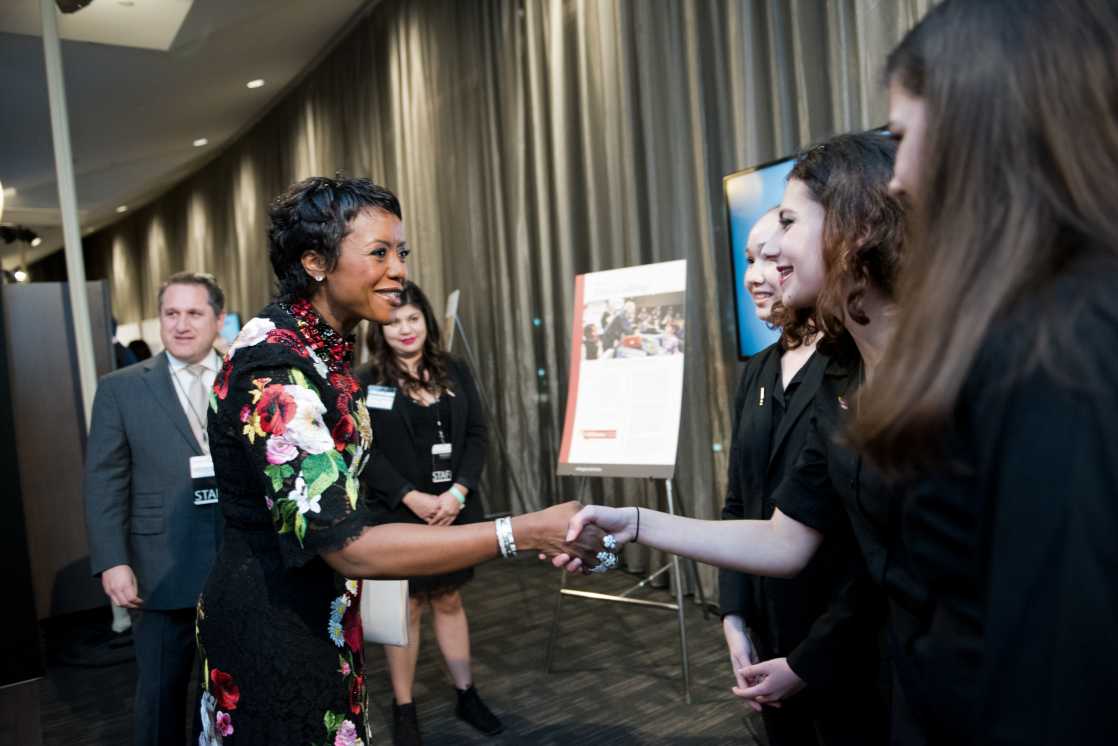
[[760, 683], [436, 510]]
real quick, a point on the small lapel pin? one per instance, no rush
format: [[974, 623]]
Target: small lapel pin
[[761, 399]]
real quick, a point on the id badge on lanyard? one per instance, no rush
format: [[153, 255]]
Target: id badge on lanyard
[[380, 397], [203, 481], [441, 469]]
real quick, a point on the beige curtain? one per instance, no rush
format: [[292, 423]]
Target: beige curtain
[[529, 141]]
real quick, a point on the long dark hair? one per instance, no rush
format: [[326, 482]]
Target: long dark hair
[[434, 363], [1017, 180], [863, 227]]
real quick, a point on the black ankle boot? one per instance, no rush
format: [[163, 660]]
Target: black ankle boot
[[405, 725], [473, 711]]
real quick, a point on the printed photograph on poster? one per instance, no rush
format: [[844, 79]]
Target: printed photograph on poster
[[625, 392], [633, 326], [749, 195]]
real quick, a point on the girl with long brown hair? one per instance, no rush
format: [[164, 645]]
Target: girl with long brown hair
[[999, 393]]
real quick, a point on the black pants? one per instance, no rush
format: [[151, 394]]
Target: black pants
[[164, 642], [853, 714], [807, 720]]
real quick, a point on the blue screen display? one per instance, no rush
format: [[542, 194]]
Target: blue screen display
[[749, 194], [232, 326]]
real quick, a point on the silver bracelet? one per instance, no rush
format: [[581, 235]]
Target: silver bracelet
[[505, 539]]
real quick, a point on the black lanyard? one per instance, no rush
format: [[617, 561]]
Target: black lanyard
[[437, 406]]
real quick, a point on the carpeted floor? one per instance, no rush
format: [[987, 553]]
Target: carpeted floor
[[616, 677]]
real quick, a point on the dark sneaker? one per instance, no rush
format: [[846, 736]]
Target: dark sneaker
[[405, 725], [473, 711]]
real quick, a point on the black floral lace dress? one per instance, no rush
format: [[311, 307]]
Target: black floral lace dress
[[279, 632]]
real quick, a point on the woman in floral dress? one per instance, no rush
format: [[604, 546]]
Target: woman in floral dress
[[279, 628]]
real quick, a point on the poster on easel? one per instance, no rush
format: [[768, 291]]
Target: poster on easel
[[625, 390]]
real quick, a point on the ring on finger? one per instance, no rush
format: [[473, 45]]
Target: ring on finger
[[606, 562]]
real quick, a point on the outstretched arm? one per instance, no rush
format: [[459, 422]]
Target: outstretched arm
[[399, 550], [779, 547]]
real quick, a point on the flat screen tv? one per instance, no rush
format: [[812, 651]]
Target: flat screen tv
[[232, 326], [749, 194]]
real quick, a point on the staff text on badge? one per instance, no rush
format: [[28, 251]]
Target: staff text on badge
[[202, 477]]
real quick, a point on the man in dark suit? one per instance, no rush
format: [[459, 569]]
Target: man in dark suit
[[154, 524]]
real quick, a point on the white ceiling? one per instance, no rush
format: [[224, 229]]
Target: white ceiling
[[136, 110], [148, 24]]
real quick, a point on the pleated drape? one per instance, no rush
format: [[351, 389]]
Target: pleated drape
[[531, 140]]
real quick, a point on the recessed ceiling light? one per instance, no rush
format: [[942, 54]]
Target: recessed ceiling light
[[258, 83], [122, 208], [200, 142], [19, 275], [36, 241]]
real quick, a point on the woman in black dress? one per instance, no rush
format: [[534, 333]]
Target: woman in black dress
[[278, 623], [428, 421]]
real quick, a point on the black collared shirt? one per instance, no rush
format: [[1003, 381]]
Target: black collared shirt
[[782, 396]]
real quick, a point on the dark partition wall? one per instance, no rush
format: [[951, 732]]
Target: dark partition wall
[[49, 425], [22, 657]]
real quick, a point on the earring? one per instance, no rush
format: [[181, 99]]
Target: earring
[[319, 278]]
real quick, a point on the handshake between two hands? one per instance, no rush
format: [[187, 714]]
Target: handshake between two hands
[[583, 539]]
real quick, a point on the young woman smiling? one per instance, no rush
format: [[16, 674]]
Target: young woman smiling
[[805, 631]]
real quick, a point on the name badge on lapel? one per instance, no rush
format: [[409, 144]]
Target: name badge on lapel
[[441, 470], [203, 480], [380, 397]]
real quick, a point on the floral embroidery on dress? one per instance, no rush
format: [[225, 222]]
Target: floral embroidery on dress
[[304, 459], [340, 731], [347, 735], [344, 628], [219, 699], [220, 693], [310, 435]]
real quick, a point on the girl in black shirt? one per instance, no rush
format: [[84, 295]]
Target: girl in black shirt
[[814, 637]]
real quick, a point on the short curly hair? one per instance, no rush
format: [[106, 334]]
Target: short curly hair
[[314, 215]]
